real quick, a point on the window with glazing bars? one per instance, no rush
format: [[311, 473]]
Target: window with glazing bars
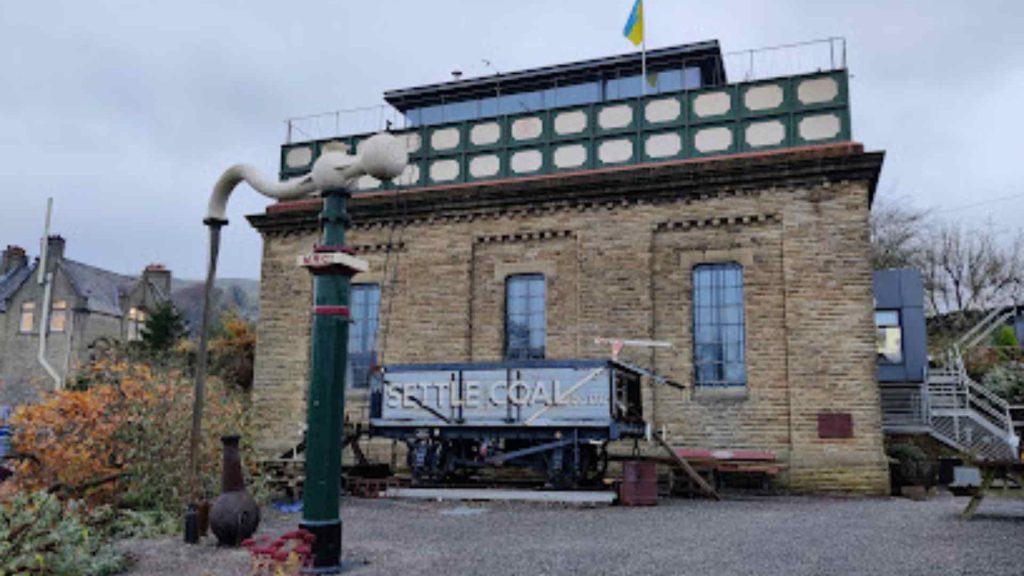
[[719, 357], [362, 335], [525, 322]]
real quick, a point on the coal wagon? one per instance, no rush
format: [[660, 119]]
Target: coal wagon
[[556, 416]]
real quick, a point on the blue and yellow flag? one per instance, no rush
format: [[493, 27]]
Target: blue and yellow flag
[[634, 29]]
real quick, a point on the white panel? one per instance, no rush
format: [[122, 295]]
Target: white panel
[[613, 117], [526, 161], [663, 145], [713, 140], [570, 122], [444, 170], [444, 139], [411, 175], [612, 151], [712, 104], [764, 97], [769, 133], [412, 141], [483, 166], [664, 110], [483, 134], [570, 156], [298, 157], [527, 128], [817, 91], [820, 127], [367, 182]]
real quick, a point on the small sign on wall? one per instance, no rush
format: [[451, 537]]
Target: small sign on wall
[[835, 425]]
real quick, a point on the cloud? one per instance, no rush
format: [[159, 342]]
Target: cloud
[[126, 112]]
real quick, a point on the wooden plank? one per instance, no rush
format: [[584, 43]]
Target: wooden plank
[[683, 465]]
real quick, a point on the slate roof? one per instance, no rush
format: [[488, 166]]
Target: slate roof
[[102, 289], [13, 280]]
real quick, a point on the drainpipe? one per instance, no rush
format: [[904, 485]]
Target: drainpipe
[[46, 281]]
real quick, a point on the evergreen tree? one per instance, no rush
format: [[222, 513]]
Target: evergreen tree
[[164, 327]]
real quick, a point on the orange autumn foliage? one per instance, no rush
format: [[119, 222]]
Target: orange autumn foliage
[[132, 421]]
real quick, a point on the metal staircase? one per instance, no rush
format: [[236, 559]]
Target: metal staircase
[[953, 408], [968, 417]]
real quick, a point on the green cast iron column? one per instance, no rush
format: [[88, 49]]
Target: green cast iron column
[[321, 491]]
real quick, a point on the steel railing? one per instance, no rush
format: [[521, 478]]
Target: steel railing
[[740, 66]]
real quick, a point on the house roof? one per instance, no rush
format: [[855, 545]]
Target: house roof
[[101, 289], [13, 280]]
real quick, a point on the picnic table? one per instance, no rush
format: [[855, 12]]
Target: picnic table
[[990, 471]]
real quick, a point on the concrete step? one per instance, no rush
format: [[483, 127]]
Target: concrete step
[[494, 495]]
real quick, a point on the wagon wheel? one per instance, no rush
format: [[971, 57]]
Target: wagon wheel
[[560, 473], [594, 464]]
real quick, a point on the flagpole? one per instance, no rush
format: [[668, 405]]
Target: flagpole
[[643, 54], [643, 65]]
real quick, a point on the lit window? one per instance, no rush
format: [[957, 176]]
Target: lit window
[[362, 336], [525, 327], [28, 320], [58, 315], [719, 335], [136, 322], [889, 336]]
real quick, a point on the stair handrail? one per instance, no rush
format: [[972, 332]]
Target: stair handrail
[[1008, 312], [980, 326]]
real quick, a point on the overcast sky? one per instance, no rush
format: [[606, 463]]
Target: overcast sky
[[127, 112]]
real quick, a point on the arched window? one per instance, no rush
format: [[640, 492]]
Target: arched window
[[719, 335]]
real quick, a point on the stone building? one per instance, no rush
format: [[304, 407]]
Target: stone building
[[543, 209], [90, 309]]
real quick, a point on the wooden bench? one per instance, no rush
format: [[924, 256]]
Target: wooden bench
[[1005, 470], [713, 464]]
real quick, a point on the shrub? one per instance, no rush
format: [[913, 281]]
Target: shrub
[[124, 438], [912, 466], [1006, 380], [232, 351], [41, 535]]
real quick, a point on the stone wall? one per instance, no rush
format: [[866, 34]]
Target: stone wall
[[22, 378], [623, 269]]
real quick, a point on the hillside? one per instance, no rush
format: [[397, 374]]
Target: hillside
[[238, 295]]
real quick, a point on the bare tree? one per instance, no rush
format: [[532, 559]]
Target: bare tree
[[897, 233], [969, 269], [963, 269]]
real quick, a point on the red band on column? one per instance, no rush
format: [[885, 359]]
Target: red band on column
[[330, 311]]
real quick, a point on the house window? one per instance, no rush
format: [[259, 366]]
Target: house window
[[719, 336], [136, 322], [58, 315], [889, 336], [525, 325], [28, 317], [362, 337]]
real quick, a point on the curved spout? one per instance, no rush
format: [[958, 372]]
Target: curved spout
[[381, 156], [216, 211]]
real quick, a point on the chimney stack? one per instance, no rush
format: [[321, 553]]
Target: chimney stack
[[159, 276], [14, 258], [55, 248]]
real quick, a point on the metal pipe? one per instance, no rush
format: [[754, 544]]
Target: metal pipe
[[46, 281]]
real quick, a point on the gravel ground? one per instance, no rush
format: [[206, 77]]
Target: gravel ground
[[762, 536]]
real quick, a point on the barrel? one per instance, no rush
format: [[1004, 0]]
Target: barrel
[[639, 485]]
